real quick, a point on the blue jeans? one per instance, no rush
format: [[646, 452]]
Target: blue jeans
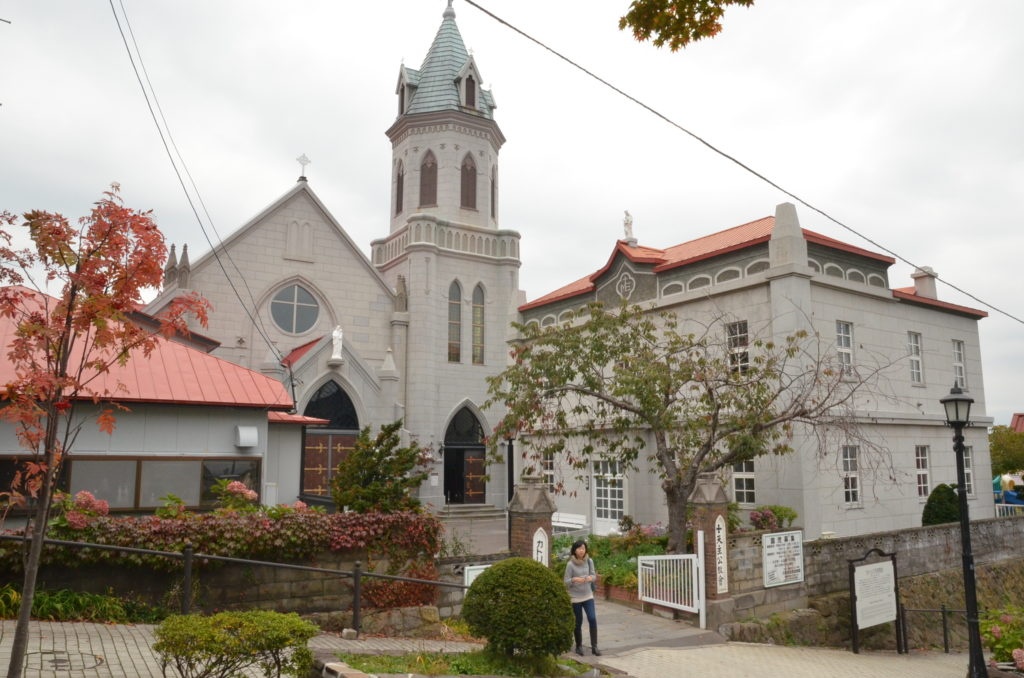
[[577, 611]]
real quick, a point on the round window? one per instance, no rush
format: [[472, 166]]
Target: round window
[[294, 309]]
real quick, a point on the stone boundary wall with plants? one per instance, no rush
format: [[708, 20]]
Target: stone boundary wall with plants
[[919, 551]]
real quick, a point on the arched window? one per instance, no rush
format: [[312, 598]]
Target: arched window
[[470, 92], [494, 193], [454, 323], [478, 325], [428, 180], [399, 188], [469, 182], [294, 309]]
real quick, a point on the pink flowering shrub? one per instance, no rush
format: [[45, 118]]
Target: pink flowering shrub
[[1003, 633], [235, 496], [764, 519], [76, 512]]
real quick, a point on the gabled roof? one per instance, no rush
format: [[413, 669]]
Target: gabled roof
[[435, 87], [173, 373], [301, 186]]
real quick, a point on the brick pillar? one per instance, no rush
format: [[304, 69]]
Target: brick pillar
[[529, 511], [710, 512]]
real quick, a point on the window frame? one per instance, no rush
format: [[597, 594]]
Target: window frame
[[478, 327], [844, 345], [850, 459], [293, 306], [922, 454], [915, 349], [960, 363], [468, 183], [969, 470], [428, 180], [738, 342], [743, 474], [455, 322]]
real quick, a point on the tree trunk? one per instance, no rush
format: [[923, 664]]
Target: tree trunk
[[19, 648], [677, 498]]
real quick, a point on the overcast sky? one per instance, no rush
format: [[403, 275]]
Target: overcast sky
[[904, 120]]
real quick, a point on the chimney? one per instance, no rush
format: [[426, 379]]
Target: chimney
[[924, 282]]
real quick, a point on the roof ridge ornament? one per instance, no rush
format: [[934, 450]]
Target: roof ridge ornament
[[303, 161], [449, 12]]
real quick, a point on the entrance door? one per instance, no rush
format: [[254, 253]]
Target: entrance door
[[464, 475], [609, 496], [465, 463]]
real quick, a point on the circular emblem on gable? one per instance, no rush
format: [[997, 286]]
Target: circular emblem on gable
[[625, 285]]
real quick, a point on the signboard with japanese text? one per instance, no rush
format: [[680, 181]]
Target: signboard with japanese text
[[782, 558], [721, 556]]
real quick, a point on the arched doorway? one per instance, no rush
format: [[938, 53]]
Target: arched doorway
[[465, 466], [323, 447]]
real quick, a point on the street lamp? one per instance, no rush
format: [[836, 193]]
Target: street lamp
[[510, 469], [958, 415]]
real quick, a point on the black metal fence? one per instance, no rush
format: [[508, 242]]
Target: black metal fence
[[944, 611], [188, 557]]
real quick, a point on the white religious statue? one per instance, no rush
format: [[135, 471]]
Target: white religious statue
[[627, 225], [336, 348]]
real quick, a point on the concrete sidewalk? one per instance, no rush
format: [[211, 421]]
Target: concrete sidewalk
[[639, 645]]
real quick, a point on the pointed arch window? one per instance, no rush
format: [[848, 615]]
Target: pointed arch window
[[454, 323], [469, 182], [428, 180], [494, 192], [478, 325], [470, 92], [399, 188]]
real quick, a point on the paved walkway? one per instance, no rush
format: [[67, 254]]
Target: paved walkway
[[639, 645]]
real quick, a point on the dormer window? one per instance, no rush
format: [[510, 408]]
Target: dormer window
[[470, 92]]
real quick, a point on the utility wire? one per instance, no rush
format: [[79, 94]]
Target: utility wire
[[257, 323], [731, 158]]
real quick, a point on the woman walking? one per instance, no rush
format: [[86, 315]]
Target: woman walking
[[580, 576]]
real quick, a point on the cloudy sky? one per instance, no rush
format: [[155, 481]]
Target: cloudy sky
[[903, 120]]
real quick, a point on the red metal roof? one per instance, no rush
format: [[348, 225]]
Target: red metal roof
[[910, 294], [275, 417], [178, 374], [1017, 422], [730, 240]]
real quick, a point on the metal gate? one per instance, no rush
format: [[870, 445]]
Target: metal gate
[[675, 581]]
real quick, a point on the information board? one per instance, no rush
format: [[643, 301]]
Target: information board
[[782, 558], [875, 589]]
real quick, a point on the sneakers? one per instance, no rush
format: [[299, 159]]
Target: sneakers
[[597, 653], [579, 650]]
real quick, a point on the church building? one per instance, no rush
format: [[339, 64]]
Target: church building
[[411, 333]]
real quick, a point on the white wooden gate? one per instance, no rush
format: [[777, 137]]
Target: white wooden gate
[[675, 581]]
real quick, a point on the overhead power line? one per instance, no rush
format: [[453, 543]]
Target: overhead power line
[[164, 130], [733, 159]]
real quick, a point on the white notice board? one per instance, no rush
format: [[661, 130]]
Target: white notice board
[[875, 589], [782, 558]]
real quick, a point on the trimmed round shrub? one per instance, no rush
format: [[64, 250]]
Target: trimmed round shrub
[[521, 608], [943, 506]]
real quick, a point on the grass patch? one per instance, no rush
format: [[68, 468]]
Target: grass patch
[[65, 605], [476, 663]]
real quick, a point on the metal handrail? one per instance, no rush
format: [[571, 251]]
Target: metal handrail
[[187, 556]]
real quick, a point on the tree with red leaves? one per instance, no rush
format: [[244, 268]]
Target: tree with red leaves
[[70, 297], [676, 23]]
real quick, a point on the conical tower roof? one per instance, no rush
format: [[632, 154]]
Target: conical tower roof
[[436, 82]]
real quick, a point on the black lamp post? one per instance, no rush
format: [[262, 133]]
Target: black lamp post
[[510, 466], [958, 415]]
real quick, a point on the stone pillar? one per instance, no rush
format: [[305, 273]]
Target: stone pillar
[[530, 519], [710, 512]]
